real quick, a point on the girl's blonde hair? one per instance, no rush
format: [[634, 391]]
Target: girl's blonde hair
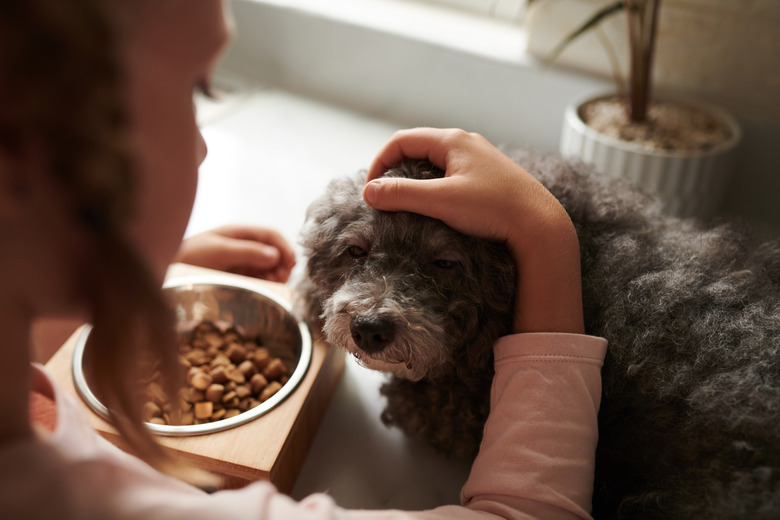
[[61, 88]]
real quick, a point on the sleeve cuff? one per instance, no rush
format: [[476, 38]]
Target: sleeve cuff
[[552, 346]]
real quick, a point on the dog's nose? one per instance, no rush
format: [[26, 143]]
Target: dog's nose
[[371, 334]]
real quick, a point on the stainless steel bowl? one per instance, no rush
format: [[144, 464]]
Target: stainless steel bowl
[[257, 312]]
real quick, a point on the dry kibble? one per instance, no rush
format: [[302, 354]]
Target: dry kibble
[[226, 375], [220, 359], [219, 375], [247, 368], [236, 352], [215, 392], [243, 391], [261, 358], [234, 374], [203, 409], [275, 369], [197, 357], [200, 380], [257, 383], [191, 373], [271, 389], [195, 395], [245, 404]]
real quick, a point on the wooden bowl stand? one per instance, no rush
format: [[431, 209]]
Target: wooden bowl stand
[[272, 447]]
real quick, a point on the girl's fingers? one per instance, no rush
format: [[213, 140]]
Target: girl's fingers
[[427, 197], [433, 144], [252, 254], [261, 236]]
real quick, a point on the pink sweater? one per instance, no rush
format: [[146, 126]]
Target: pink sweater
[[536, 459]]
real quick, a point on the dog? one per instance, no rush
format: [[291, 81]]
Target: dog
[[689, 425], [408, 295]]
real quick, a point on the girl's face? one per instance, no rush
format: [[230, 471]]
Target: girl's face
[[173, 50]]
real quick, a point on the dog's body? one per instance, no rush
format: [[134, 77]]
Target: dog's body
[[690, 415]]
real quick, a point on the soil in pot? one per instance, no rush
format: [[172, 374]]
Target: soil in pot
[[669, 127]]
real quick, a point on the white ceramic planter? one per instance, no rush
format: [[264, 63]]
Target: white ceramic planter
[[691, 184]]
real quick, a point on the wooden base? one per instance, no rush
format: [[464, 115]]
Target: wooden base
[[272, 447]]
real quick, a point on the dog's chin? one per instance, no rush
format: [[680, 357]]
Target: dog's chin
[[374, 361], [398, 369], [412, 355]]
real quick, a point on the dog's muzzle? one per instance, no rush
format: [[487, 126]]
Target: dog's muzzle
[[372, 334]]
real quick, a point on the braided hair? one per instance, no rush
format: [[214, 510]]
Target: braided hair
[[61, 87]]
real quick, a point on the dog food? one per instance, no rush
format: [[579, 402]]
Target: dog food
[[226, 374]]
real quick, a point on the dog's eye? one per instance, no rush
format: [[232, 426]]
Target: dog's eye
[[445, 264], [356, 252]]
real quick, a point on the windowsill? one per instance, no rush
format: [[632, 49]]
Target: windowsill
[[408, 63], [448, 28]]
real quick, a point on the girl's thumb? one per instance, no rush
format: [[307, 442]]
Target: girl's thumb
[[398, 194]]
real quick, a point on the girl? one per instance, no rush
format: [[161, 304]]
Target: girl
[[99, 153]]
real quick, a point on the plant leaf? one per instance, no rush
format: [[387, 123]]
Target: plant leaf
[[598, 17]]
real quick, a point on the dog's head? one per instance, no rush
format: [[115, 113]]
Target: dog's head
[[401, 292]]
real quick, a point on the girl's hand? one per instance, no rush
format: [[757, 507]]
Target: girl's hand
[[486, 194], [247, 250]]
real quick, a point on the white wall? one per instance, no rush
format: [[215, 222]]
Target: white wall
[[395, 61]]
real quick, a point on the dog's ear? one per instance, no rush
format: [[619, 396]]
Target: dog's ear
[[496, 277], [326, 218], [342, 197]]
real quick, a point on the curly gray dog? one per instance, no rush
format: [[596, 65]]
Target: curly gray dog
[[406, 294], [690, 415]]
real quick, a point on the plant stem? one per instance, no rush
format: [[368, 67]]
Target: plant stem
[[635, 105], [649, 51], [642, 20]]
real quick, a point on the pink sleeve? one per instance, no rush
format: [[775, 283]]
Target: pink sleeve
[[538, 451], [537, 455], [536, 459]]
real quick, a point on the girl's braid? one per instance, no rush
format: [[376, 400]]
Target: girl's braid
[[62, 88], [61, 91]]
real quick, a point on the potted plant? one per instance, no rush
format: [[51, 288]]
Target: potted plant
[[682, 150]]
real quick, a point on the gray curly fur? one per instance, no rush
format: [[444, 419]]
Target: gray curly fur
[[690, 414], [445, 325]]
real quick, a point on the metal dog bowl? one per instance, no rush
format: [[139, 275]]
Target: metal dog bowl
[[257, 313]]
